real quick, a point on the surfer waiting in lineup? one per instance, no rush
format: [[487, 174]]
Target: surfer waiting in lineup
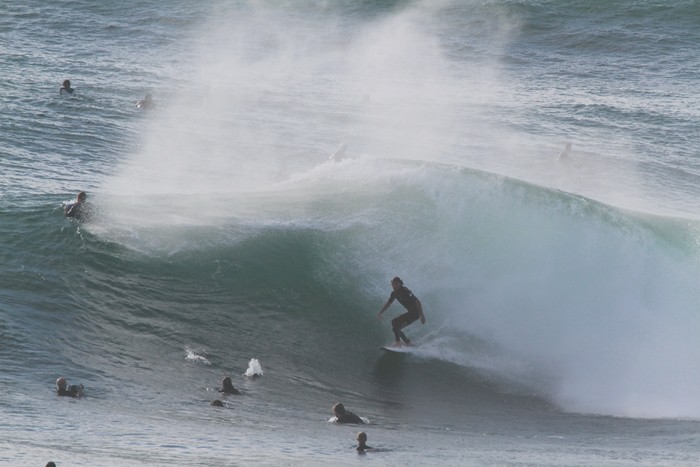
[[66, 89], [227, 387], [62, 388], [362, 446], [415, 310]]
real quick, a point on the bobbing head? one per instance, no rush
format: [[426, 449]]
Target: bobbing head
[[339, 409]]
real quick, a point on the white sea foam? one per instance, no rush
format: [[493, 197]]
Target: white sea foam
[[196, 355], [254, 368]]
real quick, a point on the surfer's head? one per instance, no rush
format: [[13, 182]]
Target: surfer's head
[[61, 383], [217, 403], [66, 83], [362, 437], [338, 409], [81, 196], [396, 280], [227, 384]]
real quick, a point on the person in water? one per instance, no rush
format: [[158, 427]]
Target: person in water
[[362, 446], [345, 416], [410, 302], [66, 89], [78, 209], [62, 388], [216, 403], [565, 153], [339, 154], [145, 103], [227, 387]]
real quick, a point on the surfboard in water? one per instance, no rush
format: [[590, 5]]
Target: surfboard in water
[[402, 349]]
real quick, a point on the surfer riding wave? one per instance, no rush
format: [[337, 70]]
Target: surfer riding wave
[[415, 310]]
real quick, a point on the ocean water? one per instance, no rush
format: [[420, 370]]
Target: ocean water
[[561, 294]]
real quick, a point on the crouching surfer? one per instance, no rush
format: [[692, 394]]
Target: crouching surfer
[[415, 310]]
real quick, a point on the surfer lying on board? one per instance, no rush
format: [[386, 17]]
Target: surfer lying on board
[[410, 302], [345, 416]]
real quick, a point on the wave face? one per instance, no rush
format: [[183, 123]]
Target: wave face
[[552, 295]]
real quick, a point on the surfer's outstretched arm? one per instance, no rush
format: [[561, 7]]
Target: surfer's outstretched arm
[[386, 305]]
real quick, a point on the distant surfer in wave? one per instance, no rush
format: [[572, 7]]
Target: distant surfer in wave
[[565, 153], [339, 154], [62, 388], [145, 103], [78, 209], [227, 387], [415, 310]]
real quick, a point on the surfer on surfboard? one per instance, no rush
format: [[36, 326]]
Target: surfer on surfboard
[[415, 310]]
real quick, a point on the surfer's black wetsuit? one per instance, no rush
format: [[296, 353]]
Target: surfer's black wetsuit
[[78, 211], [72, 391], [348, 417], [363, 447], [409, 301]]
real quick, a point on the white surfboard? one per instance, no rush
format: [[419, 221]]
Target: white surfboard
[[402, 349]]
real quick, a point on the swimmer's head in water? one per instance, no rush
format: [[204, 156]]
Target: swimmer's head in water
[[362, 437], [81, 196], [66, 83], [339, 409], [217, 403]]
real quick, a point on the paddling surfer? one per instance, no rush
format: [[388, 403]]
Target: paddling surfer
[[78, 209], [342, 415]]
